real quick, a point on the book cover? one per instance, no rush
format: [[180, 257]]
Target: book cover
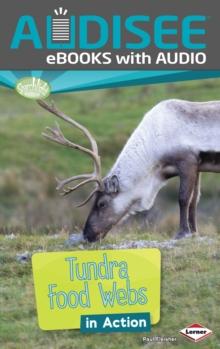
[[109, 174]]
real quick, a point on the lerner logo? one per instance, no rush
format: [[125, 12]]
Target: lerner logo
[[196, 332], [33, 88]]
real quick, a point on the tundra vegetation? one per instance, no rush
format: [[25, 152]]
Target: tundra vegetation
[[33, 217]]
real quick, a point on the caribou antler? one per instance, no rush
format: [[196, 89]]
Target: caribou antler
[[56, 135]]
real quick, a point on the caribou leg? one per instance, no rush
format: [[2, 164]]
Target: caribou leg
[[188, 172], [193, 205]]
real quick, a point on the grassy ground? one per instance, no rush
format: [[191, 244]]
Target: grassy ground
[[30, 208], [190, 293]]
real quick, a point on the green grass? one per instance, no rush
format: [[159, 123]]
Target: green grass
[[190, 293]]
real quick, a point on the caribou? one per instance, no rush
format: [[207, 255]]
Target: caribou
[[175, 138]]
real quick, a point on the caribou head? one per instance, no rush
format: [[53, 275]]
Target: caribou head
[[103, 214]]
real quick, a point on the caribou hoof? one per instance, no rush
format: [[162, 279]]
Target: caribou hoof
[[183, 234]]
